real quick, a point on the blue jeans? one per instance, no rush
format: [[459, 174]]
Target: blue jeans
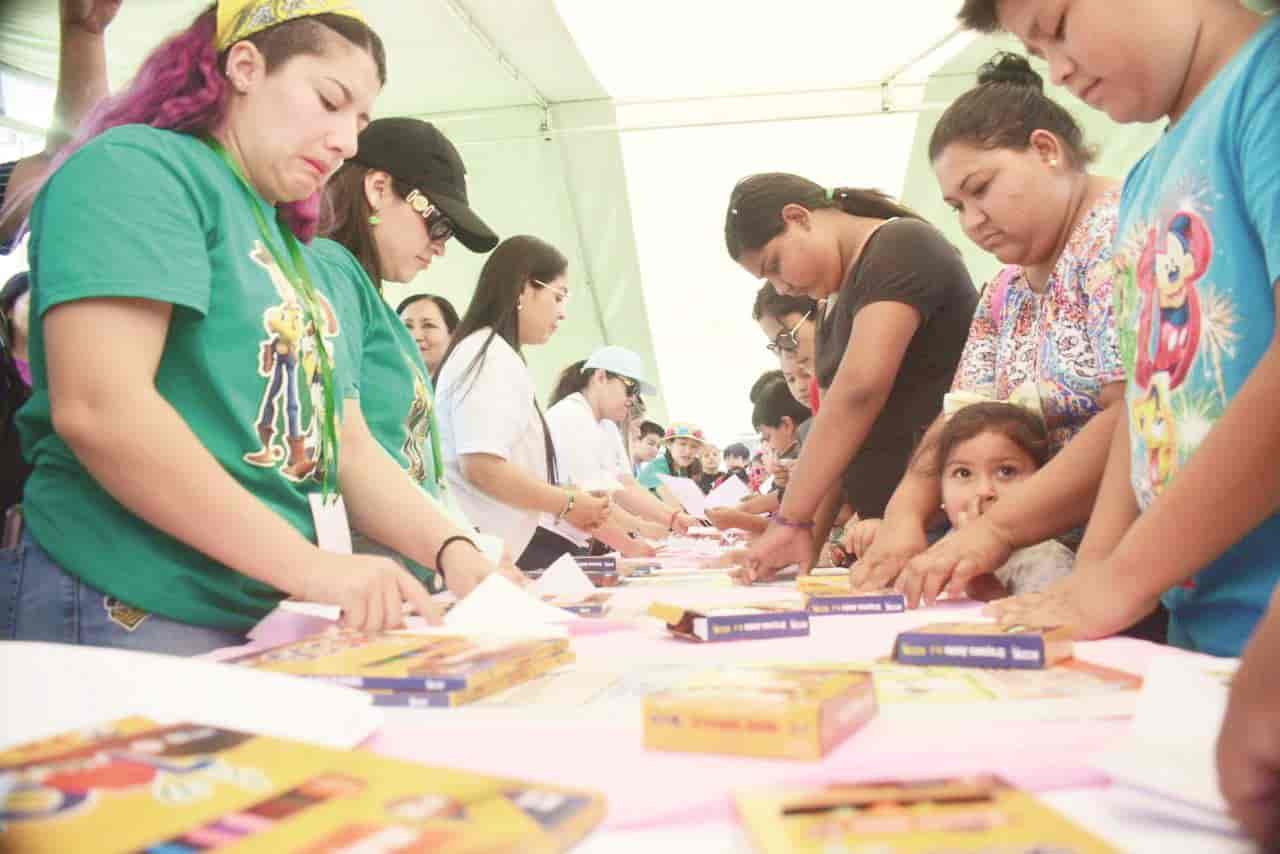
[[40, 601]]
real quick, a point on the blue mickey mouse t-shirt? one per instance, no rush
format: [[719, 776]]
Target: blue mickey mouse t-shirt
[[1198, 258]]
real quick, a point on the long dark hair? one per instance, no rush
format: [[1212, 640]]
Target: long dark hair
[[573, 379], [344, 216], [754, 216], [693, 472], [1004, 109], [515, 263]]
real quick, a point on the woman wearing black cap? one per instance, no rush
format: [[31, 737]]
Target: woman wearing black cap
[[395, 206]]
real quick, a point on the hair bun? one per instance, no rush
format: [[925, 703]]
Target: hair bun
[[1010, 68]]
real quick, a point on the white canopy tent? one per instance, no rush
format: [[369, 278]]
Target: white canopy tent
[[616, 131]]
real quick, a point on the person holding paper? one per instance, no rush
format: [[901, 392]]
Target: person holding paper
[[178, 496], [682, 446], [500, 461], [589, 401]]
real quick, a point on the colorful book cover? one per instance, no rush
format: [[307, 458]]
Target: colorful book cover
[[759, 711], [740, 622], [958, 816], [880, 602], [188, 787], [532, 669], [402, 661], [983, 645]]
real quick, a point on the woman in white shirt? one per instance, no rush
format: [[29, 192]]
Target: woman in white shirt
[[500, 463], [590, 400]]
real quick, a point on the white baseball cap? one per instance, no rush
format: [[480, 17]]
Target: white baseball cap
[[620, 361]]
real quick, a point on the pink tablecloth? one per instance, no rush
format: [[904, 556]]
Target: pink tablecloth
[[648, 789]]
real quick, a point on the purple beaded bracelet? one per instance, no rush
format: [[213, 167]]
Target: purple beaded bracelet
[[779, 519]]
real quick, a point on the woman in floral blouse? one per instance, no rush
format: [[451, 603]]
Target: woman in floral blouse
[[1013, 165]]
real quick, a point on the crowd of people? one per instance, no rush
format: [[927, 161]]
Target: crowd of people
[[1087, 439]]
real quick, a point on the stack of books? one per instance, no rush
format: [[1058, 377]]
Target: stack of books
[[134, 785], [760, 711], [415, 670]]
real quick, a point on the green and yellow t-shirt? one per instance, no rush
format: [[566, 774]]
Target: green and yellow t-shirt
[[157, 215], [389, 376]]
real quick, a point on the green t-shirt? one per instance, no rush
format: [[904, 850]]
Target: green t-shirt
[[157, 215], [389, 375], [648, 477]]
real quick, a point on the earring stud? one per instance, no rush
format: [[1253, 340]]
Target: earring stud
[[374, 219]]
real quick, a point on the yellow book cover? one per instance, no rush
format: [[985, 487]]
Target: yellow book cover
[[976, 815], [187, 787], [824, 584], [759, 711], [402, 661], [983, 645]]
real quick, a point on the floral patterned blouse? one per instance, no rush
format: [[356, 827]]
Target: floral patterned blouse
[[1063, 340]]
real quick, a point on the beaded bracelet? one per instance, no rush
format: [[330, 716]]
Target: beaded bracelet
[[568, 508], [779, 519]]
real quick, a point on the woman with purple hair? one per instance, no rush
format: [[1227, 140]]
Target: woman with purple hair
[[182, 482]]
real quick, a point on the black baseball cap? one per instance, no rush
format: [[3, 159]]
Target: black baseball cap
[[418, 154]]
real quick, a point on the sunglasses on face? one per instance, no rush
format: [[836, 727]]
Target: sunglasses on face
[[439, 226], [632, 387], [787, 341]]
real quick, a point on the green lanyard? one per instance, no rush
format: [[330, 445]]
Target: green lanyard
[[437, 458], [295, 269]]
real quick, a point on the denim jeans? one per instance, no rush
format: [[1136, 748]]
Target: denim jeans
[[39, 601]]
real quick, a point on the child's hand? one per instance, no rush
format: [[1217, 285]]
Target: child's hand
[[859, 535], [1249, 744], [1087, 600], [887, 549], [973, 548]]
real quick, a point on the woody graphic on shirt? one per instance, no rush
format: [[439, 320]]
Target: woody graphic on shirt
[[290, 345], [417, 427]]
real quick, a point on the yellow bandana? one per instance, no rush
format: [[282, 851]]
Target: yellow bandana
[[239, 19]]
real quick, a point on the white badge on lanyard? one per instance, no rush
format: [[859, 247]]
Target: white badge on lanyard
[[333, 531]]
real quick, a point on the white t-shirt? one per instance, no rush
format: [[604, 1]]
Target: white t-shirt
[[587, 451], [490, 411]]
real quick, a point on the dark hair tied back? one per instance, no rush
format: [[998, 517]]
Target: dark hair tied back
[[1004, 109]]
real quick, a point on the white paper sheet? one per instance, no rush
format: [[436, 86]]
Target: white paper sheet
[[563, 578], [52, 688], [1170, 750], [498, 607], [688, 494], [727, 494]]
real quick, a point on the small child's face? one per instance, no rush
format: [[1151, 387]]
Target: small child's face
[[978, 471], [1127, 58], [735, 462], [684, 451]]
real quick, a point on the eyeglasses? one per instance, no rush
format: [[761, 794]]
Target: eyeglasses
[[632, 387], [787, 341], [562, 293], [439, 227]]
